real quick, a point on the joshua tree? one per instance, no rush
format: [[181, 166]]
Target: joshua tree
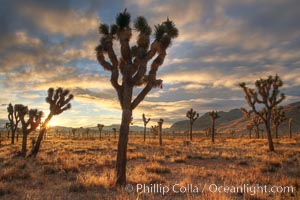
[[213, 115], [133, 67], [145, 120], [100, 127], [277, 117], [267, 94], [255, 121], [160, 123], [250, 128], [290, 127], [33, 121], [154, 130], [87, 132], [7, 126], [192, 115], [59, 101], [14, 120], [115, 132], [74, 131]]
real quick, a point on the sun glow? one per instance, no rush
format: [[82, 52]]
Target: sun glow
[[52, 123]]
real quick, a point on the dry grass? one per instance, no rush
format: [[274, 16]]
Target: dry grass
[[84, 169]]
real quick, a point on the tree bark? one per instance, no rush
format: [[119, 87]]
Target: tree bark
[[122, 147], [42, 132], [124, 130], [160, 136], [268, 129], [13, 137], [191, 131], [144, 133], [24, 144]]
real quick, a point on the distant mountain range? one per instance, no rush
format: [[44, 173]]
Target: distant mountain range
[[234, 120], [203, 122], [292, 111]]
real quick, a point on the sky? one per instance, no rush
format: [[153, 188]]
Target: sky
[[221, 43]]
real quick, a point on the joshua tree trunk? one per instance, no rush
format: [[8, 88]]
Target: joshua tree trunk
[[122, 147], [42, 132], [160, 136], [268, 129], [124, 131], [24, 143], [290, 127], [213, 131], [144, 133], [191, 130]]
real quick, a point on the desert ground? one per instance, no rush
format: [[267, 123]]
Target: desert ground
[[84, 168]]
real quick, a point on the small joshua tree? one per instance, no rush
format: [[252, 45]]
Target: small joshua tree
[[87, 132], [33, 121], [115, 132], [14, 120], [160, 123], [154, 130], [74, 132], [267, 94], [100, 127], [277, 117], [132, 66], [59, 101], [192, 115], [7, 126], [250, 127], [145, 120], [255, 121], [213, 115], [290, 127]]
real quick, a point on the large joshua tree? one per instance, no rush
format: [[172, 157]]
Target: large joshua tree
[[59, 101], [213, 115], [145, 120], [192, 115], [14, 120], [33, 120], [133, 66], [267, 94]]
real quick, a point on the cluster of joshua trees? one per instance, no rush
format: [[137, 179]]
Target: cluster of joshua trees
[[138, 66], [31, 119]]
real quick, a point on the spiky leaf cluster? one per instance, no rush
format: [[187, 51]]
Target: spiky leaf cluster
[[278, 115], [123, 19], [160, 122], [100, 126], [192, 115], [214, 115], [59, 100], [145, 120]]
